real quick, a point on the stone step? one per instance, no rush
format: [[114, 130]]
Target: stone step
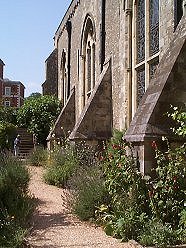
[[26, 146]]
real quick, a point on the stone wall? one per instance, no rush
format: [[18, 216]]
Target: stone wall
[[151, 122], [77, 15], [50, 85], [121, 50], [166, 24]]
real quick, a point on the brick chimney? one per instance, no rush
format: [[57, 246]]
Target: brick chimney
[[1, 68]]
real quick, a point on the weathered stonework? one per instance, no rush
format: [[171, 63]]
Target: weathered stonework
[[168, 87], [95, 122], [65, 121], [49, 87], [106, 94]]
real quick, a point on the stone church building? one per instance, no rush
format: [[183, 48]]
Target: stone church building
[[120, 64]]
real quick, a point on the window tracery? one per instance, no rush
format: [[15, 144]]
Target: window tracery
[[63, 72], [140, 30], [140, 83], [152, 68], [154, 26], [178, 11], [147, 45], [88, 55]]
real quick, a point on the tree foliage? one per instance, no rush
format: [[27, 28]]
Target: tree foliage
[[7, 135], [8, 114], [179, 115], [34, 95], [38, 115]]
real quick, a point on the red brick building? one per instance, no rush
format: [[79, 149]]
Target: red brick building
[[11, 92]]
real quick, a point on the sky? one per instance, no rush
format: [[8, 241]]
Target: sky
[[27, 28]]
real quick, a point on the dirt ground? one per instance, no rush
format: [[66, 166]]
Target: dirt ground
[[53, 226]]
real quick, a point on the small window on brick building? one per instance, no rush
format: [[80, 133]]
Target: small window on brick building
[[7, 103], [7, 91]]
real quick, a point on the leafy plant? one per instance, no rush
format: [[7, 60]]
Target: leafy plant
[[178, 115], [127, 189], [11, 233], [167, 190], [135, 199], [182, 226], [38, 115], [88, 192], [8, 115], [159, 234], [7, 134], [61, 165], [15, 203], [38, 157]]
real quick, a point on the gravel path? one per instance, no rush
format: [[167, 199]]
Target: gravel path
[[54, 226]]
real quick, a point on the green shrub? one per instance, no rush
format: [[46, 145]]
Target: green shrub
[[167, 189], [179, 116], [182, 226], [61, 165], [38, 115], [135, 199], [88, 191], [7, 134], [15, 203], [8, 115], [38, 157], [128, 206], [159, 234], [11, 233], [13, 175]]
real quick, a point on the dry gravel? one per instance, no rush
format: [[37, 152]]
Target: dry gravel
[[54, 226]]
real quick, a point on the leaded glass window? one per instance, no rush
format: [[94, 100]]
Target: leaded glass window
[[88, 69], [152, 68], [178, 12], [93, 65], [147, 45], [140, 30], [154, 26], [63, 77], [140, 83]]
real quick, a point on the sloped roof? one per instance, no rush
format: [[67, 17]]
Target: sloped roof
[[1, 62], [8, 81], [66, 120], [95, 121]]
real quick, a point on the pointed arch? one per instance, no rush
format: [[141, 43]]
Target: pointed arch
[[178, 11], [63, 77], [87, 54]]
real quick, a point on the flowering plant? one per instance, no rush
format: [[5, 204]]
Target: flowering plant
[[167, 190]]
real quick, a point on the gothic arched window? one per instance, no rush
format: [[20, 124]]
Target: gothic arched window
[[88, 57], [154, 26], [178, 11], [63, 77], [140, 30]]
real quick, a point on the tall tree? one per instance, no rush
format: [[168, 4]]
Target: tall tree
[[38, 115], [34, 95]]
